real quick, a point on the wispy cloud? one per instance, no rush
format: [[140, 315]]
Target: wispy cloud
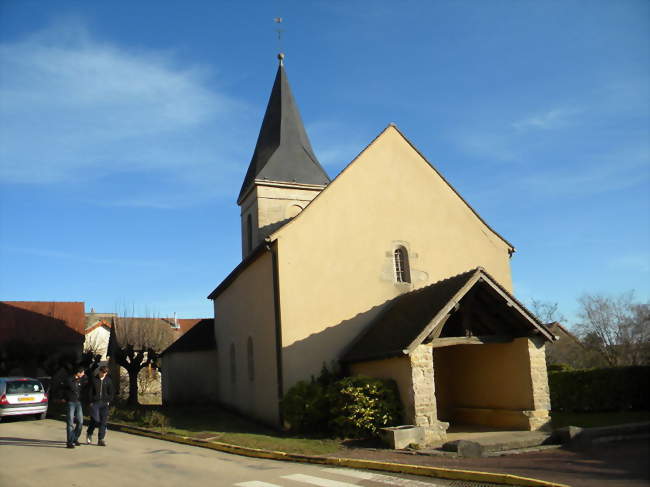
[[554, 118], [621, 169], [75, 109], [596, 142], [67, 256], [514, 140]]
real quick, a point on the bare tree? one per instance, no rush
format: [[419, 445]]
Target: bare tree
[[546, 311], [569, 349], [136, 343], [149, 385], [618, 326]]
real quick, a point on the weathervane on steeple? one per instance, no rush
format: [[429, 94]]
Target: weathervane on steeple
[[278, 20]]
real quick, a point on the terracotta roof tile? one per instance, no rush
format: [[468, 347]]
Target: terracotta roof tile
[[38, 321], [199, 337]]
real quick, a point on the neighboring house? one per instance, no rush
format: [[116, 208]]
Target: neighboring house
[[386, 269], [98, 332], [196, 346], [156, 333], [36, 335]]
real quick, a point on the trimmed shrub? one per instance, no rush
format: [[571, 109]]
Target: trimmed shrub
[[362, 405], [595, 390], [352, 407]]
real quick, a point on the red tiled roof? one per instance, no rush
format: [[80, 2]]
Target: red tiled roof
[[106, 323], [54, 322], [186, 324]]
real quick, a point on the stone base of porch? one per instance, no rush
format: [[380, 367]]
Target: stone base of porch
[[435, 434], [518, 419]]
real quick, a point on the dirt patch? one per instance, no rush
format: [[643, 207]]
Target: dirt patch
[[614, 464]]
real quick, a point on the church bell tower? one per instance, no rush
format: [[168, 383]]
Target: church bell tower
[[284, 174]]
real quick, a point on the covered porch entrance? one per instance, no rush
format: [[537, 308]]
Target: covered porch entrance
[[488, 364], [462, 351]]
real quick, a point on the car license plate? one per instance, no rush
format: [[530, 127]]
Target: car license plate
[[25, 399]]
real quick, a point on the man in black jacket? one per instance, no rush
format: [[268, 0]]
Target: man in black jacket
[[72, 391], [101, 393]]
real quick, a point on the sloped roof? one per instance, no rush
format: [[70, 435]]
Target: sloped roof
[[186, 324], [561, 332], [410, 318], [283, 151], [199, 337], [55, 322], [95, 320]]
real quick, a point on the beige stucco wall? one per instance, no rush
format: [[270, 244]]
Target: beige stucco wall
[[492, 384], [189, 377], [335, 258], [482, 376], [245, 309]]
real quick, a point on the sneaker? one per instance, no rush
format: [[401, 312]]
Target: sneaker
[[101, 443], [89, 440], [70, 445], [76, 443]]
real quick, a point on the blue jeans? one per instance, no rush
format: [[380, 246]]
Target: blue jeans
[[75, 414], [98, 417]]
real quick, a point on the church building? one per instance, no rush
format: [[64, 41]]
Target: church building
[[385, 270]]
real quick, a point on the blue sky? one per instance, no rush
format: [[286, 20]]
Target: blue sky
[[127, 127]]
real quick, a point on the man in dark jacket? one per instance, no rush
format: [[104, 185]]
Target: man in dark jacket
[[101, 393], [72, 391]]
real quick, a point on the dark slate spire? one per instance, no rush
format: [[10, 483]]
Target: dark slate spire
[[283, 152]]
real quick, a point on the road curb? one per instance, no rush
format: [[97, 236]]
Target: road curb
[[443, 473]]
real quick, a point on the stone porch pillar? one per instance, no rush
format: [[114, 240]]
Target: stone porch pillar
[[539, 416], [424, 411]]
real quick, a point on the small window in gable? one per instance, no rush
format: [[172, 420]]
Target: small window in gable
[[249, 232], [251, 360], [401, 262]]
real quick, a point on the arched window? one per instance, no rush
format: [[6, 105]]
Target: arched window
[[401, 261], [251, 360], [233, 364], [249, 232]]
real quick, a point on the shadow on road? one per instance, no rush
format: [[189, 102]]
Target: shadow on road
[[31, 442]]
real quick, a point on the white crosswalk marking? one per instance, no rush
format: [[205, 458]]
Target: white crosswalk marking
[[256, 483], [321, 482], [379, 478]]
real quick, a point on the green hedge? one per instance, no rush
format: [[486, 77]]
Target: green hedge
[[609, 389]]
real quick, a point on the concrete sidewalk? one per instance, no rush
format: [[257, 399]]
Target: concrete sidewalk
[[472, 441]]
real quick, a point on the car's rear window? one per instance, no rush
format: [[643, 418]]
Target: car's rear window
[[23, 386]]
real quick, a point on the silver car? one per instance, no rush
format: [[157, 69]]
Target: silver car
[[22, 395]]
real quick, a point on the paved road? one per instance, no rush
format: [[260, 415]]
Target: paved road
[[34, 453]]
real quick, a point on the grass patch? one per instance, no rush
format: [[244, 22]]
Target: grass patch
[[202, 422], [589, 420]]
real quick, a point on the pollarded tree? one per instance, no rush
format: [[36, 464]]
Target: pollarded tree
[[618, 326], [136, 343]]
